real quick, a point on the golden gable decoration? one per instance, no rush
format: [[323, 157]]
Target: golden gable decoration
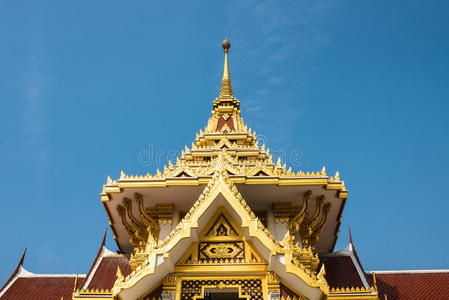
[[221, 229]]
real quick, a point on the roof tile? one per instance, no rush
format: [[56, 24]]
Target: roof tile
[[38, 288], [421, 286], [341, 272], [105, 274]]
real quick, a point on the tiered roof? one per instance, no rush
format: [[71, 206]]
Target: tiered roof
[[246, 162]]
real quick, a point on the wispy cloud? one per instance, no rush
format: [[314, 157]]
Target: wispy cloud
[[278, 42], [34, 110]]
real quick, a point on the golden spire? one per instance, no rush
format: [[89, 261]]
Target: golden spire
[[226, 89]]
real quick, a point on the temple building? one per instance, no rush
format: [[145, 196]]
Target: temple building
[[225, 221]]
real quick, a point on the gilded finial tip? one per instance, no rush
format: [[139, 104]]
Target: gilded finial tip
[[226, 44]]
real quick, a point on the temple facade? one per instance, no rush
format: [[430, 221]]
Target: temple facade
[[225, 221]]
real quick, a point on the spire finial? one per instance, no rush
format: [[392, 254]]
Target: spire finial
[[226, 89]]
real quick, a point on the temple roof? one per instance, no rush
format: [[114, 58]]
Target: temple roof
[[102, 273], [250, 166], [26, 285], [41, 286], [413, 284], [344, 270], [225, 133]]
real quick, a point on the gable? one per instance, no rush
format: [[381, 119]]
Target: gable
[[221, 240], [222, 206], [219, 227]]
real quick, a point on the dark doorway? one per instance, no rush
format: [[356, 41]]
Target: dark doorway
[[221, 296]]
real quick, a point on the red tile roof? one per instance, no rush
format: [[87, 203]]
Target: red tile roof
[[408, 285], [38, 288], [341, 272], [105, 275]]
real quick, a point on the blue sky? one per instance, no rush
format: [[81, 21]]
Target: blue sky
[[358, 86]]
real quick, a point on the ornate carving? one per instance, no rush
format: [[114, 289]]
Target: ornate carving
[[219, 250], [169, 284], [142, 231], [221, 228], [273, 282], [312, 227], [294, 223], [138, 256], [241, 156], [133, 236], [282, 211], [306, 259]]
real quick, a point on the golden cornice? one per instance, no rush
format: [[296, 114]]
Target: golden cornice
[[86, 294], [281, 176], [241, 167], [352, 290], [133, 182], [353, 293]]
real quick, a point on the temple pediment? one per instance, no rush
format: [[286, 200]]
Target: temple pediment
[[222, 235]]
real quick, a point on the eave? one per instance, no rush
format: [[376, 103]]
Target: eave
[[323, 183]]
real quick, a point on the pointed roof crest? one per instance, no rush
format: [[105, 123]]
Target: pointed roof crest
[[226, 89], [19, 266]]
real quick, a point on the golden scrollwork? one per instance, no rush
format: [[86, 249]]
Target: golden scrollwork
[[312, 227], [142, 230], [134, 236], [234, 250], [295, 222]]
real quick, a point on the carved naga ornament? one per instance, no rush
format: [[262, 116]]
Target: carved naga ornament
[[143, 230], [309, 228], [312, 227]]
